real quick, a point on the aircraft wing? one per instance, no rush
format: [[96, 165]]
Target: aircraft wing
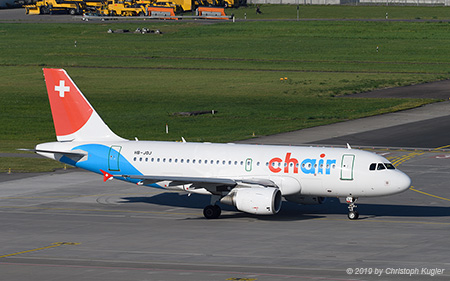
[[176, 180], [204, 182]]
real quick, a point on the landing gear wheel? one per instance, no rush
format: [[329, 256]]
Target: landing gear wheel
[[212, 211], [218, 210], [353, 215]]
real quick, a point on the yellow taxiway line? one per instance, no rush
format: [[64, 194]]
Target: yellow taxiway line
[[56, 244]]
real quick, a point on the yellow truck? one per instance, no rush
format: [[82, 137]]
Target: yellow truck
[[217, 3], [169, 4], [72, 7], [230, 3], [122, 8]]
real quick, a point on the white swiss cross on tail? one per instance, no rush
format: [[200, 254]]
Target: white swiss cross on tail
[[62, 88]]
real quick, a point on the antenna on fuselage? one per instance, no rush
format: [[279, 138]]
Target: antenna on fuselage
[[348, 146]]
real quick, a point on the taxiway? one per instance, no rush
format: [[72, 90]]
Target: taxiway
[[70, 225]]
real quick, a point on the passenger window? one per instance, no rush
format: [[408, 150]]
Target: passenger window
[[373, 166], [389, 166], [380, 166]]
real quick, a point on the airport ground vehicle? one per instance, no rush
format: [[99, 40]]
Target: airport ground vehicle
[[177, 8], [161, 12], [122, 8], [73, 7]]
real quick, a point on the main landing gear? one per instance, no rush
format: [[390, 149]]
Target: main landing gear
[[212, 211], [352, 213]]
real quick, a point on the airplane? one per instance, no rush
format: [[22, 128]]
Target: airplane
[[252, 178]]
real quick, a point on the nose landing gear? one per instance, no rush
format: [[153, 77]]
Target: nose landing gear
[[352, 213]]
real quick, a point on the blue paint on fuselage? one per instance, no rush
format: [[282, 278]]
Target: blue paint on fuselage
[[98, 160]]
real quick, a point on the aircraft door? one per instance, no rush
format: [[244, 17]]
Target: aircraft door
[[248, 164], [347, 166], [113, 158]]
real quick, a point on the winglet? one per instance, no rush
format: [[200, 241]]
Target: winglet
[[106, 175]]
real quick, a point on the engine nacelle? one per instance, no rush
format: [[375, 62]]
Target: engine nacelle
[[255, 200], [305, 200]]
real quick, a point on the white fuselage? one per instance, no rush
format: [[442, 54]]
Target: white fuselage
[[316, 171]]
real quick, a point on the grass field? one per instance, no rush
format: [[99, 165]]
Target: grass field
[[136, 82], [342, 12]]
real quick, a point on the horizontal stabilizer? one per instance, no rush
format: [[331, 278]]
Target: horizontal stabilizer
[[80, 153]]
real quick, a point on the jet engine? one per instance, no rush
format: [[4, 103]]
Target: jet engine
[[255, 200], [305, 200]]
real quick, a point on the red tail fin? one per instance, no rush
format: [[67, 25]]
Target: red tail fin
[[73, 116]]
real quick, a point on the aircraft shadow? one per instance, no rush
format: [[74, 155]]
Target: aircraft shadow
[[196, 201], [292, 211]]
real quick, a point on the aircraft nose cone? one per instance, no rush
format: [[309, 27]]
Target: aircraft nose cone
[[402, 181]]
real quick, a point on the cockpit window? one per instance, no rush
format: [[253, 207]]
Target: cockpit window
[[381, 166]]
